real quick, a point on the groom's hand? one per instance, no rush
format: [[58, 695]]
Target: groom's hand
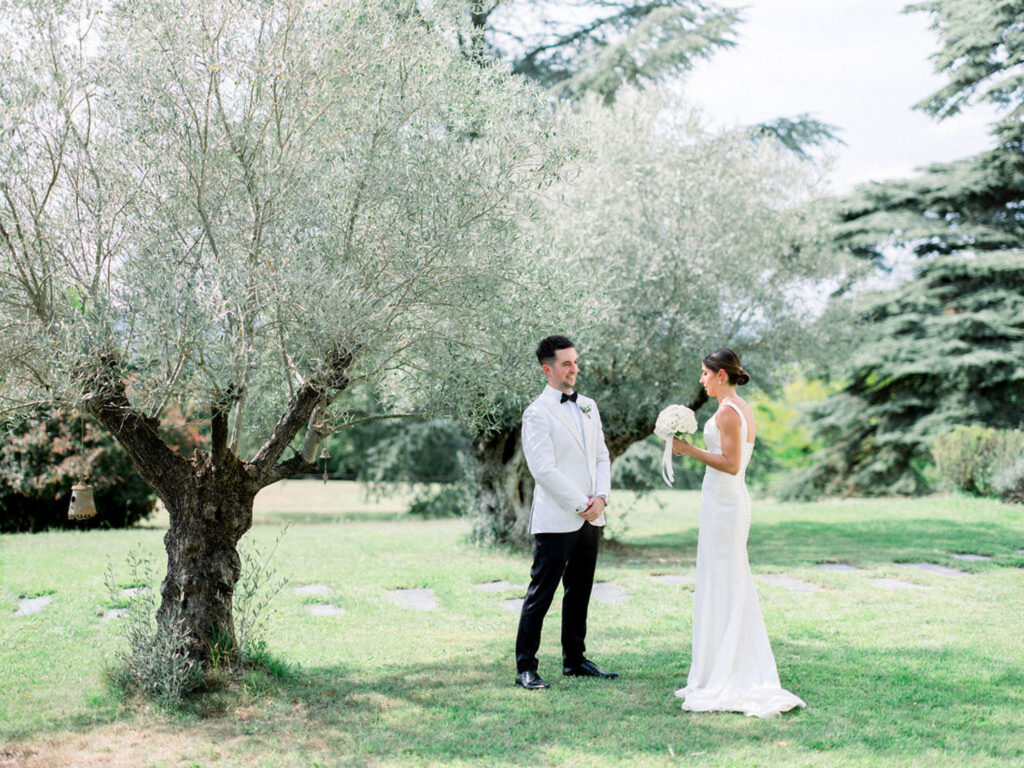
[[595, 508]]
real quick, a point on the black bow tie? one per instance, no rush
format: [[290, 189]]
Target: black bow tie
[[566, 398]]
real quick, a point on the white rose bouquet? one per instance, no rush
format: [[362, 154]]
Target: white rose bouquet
[[673, 421]]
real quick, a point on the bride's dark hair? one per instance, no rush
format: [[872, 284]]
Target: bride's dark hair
[[728, 361]]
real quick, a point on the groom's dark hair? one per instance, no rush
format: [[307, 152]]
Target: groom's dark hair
[[548, 346]]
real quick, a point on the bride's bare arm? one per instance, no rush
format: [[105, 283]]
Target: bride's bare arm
[[731, 458]]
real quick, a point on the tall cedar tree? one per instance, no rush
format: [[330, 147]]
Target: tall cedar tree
[[946, 348]]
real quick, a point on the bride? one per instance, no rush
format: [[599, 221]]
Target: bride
[[732, 668]]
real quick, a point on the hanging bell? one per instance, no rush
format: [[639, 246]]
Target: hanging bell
[[82, 505], [324, 456]]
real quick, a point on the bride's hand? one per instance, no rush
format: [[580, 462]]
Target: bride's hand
[[679, 446]]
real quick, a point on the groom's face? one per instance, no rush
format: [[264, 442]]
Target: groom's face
[[562, 370]]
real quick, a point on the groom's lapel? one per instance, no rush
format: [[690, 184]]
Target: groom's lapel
[[563, 416], [589, 425]]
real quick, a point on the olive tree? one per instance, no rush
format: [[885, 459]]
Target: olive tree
[[691, 241], [246, 207]]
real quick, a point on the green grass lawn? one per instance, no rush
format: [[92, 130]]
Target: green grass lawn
[[925, 676]]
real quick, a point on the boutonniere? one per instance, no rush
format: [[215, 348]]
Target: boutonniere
[[585, 410]]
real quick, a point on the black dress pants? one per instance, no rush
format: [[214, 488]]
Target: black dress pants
[[570, 558]]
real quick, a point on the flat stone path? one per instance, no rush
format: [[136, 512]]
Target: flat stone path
[[839, 567], [671, 578], [114, 613], [942, 570], [609, 592], [132, 591], [516, 604], [796, 585], [498, 586], [318, 609], [312, 589], [894, 584], [32, 605], [1018, 551], [416, 599]]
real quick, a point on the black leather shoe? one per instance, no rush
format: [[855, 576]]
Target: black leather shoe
[[587, 668], [531, 681]]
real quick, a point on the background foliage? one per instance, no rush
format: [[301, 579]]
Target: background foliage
[[981, 460], [42, 457], [944, 349]]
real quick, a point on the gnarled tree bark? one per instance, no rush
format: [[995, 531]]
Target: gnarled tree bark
[[505, 489], [209, 498]]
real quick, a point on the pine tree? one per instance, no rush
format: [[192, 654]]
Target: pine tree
[[945, 348]]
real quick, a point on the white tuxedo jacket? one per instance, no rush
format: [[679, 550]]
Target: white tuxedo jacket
[[564, 473]]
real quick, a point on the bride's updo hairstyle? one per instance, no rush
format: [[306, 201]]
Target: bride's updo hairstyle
[[728, 361]]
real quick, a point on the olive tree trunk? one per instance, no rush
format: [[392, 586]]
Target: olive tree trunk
[[504, 489], [207, 520], [209, 497]]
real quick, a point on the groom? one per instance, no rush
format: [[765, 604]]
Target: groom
[[565, 451]]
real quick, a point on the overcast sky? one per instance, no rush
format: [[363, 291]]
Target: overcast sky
[[858, 64]]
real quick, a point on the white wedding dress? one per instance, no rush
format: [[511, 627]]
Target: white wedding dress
[[732, 668]]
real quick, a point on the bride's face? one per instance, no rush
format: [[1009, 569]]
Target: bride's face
[[708, 380]]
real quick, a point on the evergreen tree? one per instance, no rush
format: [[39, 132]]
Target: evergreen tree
[[944, 348], [576, 47]]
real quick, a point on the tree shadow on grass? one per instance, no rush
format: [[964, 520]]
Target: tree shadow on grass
[[890, 704], [884, 702], [873, 541]]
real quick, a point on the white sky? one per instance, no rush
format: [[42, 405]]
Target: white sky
[[858, 64]]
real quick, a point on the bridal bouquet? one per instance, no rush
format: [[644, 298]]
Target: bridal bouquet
[[673, 421]]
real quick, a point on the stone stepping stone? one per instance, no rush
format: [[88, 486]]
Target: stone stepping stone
[[325, 610], [894, 584], [515, 605], [672, 578], [972, 558], [115, 613], [132, 591], [839, 567], [312, 589], [942, 570], [498, 586], [417, 599], [609, 592], [32, 605], [1018, 551], [796, 585]]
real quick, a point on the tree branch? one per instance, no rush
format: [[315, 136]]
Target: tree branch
[[316, 393], [219, 412], [164, 470]]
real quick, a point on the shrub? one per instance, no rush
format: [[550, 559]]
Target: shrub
[[1009, 483], [399, 450], [258, 585], [971, 458], [450, 500], [154, 666]]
